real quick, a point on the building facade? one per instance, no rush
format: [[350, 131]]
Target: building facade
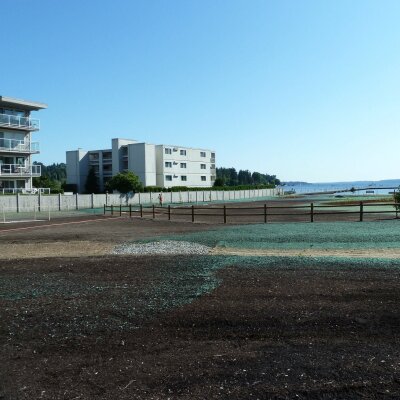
[[155, 165], [16, 145]]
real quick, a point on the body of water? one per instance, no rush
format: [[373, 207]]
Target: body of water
[[370, 187]]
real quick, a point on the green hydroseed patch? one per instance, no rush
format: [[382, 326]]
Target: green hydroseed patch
[[321, 235], [91, 305]]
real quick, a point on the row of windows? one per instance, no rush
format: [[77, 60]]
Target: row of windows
[[168, 164], [183, 178], [168, 150]]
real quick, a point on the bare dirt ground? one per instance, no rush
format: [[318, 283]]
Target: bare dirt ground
[[77, 323], [114, 328], [69, 237]]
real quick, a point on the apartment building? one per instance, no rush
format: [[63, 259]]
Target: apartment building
[[16, 145], [155, 165]]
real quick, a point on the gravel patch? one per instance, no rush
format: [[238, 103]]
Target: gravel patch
[[162, 247]]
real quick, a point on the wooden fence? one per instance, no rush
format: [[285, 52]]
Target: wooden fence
[[265, 213]]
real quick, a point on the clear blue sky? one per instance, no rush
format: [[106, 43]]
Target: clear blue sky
[[306, 90]]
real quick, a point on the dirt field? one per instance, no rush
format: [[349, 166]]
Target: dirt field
[[79, 323]]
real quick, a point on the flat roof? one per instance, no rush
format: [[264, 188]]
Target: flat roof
[[25, 104]]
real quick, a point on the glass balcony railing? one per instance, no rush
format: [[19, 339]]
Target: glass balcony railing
[[19, 170], [16, 122], [18, 146]]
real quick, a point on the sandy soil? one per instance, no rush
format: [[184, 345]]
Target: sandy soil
[[347, 253]]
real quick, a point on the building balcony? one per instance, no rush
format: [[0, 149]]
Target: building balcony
[[18, 146], [18, 170], [16, 122]]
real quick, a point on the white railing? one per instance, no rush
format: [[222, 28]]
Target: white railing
[[20, 170], [25, 191], [19, 146], [14, 121]]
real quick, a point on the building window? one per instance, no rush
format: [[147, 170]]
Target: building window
[[183, 165], [202, 154], [184, 178], [167, 151], [94, 157], [168, 164], [212, 166], [203, 178], [183, 152], [212, 178], [212, 155], [202, 166], [168, 177]]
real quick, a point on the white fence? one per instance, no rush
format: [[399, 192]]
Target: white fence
[[62, 202]]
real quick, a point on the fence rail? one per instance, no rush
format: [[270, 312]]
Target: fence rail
[[266, 213]]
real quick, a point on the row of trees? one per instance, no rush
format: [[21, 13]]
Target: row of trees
[[53, 176], [230, 177]]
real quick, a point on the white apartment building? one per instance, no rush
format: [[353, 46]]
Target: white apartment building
[[16, 145], [155, 165]]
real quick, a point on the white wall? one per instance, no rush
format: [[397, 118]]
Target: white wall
[[193, 171], [77, 168], [82, 201], [142, 162]]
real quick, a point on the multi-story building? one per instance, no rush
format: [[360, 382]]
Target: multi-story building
[[155, 165], [16, 145]]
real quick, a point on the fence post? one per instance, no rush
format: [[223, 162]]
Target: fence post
[[192, 213], [130, 210], [76, 201], [141, 210], [154, 211], [312, 212], [224, 214], [265, 213], [120, 210], [59, 201], [17, 199], [112, 209], [104, 209], [361, 211], [39, 201], [169, 212], [92, 198]]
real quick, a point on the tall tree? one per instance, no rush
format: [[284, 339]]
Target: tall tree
[[244, 177], [92, 182]]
